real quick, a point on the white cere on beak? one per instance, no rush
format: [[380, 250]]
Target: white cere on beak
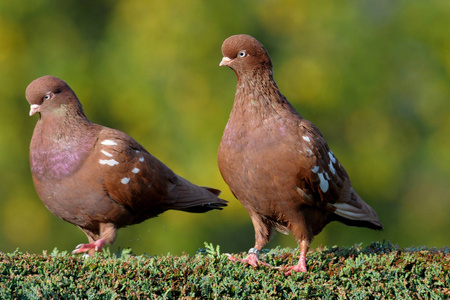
[[225, 61], [34, 108]]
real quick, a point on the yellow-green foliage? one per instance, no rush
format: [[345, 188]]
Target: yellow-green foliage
[[378, 271]]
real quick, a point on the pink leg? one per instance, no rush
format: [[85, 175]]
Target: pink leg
[[262, 234], [106, 235], [95, 246]]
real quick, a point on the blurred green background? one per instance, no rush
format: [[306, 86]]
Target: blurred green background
[[372, 75]]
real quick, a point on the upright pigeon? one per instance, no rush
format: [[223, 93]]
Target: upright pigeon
[[276, 163]]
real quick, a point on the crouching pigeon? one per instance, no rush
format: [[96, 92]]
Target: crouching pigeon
[[99, 178]]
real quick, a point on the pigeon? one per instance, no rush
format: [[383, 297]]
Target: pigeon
[[278, 164], [99, 178]]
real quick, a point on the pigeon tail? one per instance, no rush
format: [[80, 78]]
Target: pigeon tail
[[194, 199], [213, 190], [356, 212]]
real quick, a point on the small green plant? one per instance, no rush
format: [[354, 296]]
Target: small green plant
[[211, 251]]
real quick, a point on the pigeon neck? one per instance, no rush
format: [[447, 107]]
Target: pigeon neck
[[257, 91]]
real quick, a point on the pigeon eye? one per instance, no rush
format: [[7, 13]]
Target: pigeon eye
[[242, 53], [47, 96]]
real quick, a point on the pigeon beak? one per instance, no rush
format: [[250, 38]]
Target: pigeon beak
[[225, 61], [34, 108]]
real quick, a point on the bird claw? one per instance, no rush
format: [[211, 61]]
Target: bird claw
[[79, 246], [91, 247], [231, 257], [251, 259], [296, 268]]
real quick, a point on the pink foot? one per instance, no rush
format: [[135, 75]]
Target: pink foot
[[91, 247], [300, 267], [296, 268], [251, 259]]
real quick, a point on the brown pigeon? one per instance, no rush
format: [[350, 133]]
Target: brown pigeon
[[277, 163], [99, 178]]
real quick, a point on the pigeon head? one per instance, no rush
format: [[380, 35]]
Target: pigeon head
[[49, 94], [243, 53]]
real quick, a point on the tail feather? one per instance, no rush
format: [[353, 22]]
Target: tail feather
[[213, 190], [189, 197], [356, 212]]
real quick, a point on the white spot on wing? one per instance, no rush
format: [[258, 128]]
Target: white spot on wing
[[141, 159], [315, 169], [135, 170], [332, 158], [323, 183], [306, 138], [308, 152], [332, 168], [125, 180], [109, 162], [108, 143], [106, 153]]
